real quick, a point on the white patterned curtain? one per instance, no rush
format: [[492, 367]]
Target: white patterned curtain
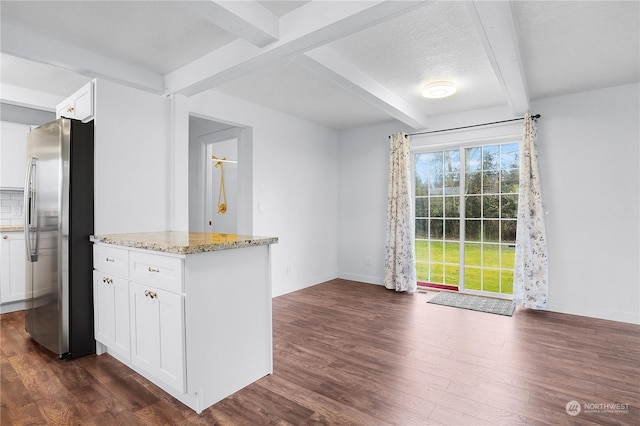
[[531, 275], [400, 264]]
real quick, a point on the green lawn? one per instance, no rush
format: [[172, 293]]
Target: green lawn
[[487, 267]]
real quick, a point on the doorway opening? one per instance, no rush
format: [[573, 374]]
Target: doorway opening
[[220, 190]]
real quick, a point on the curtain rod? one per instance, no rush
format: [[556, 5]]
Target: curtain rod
[[472, 125]]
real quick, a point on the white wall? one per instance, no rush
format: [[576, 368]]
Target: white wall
[[133, 171], [179, 124], [295, 182], [196, 170], [588, 155], [362, 207]]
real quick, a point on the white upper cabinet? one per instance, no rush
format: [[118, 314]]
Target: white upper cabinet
[[13, 154], [78, 106]]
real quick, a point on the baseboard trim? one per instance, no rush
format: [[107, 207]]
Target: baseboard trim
[[368, 279], [290, 288], [595, 312], [18, 305]]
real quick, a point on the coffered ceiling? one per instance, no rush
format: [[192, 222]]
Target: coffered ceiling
[[341, 64]]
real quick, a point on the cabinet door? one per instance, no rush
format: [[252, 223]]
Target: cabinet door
[[12, 287], [111, 312], [103, 308], [13, 154], [121, 326], [79, 105], [157, 333]]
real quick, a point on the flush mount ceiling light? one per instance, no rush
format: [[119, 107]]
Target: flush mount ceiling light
[[438, 89]]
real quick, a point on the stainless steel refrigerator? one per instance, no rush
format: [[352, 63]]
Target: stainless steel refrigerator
[[58, 203]]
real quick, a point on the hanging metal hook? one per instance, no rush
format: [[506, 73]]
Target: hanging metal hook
[[222, 195]]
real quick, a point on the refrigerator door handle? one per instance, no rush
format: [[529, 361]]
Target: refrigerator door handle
[[30, 217]]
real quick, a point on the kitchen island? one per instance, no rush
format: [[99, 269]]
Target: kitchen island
[[189, 311]]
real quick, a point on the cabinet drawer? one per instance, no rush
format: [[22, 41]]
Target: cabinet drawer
[[111, 260], [163, 272]]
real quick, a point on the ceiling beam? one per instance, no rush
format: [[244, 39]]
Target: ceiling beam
[[24, 97], [330, 65], [245, 19], [495, 25], [23, 43], [305, 28]]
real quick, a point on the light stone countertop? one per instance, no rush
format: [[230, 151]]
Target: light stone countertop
[[11, 228], [183, 242]]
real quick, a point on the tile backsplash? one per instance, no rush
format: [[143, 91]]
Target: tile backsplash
[[11, 207]]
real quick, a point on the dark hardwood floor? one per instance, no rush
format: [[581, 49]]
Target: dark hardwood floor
[[347, 353]]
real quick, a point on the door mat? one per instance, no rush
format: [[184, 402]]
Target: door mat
[[474, 303]]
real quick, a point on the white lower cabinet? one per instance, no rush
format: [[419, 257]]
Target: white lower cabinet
[[111, 312], [12, 268], [139, 311], [199, 325], [157, 333]]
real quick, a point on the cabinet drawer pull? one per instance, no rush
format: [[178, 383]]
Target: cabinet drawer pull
[[70, 109], [5, 237], [110, 259], [107, 280], [153, 269]]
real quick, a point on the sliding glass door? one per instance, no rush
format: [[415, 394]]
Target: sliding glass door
[[465, 212]]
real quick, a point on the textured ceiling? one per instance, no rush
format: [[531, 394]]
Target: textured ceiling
[[158, 35], [430, 43], [281, 8], [360, 66], [38, 76], [304, 92], [571, 47]]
